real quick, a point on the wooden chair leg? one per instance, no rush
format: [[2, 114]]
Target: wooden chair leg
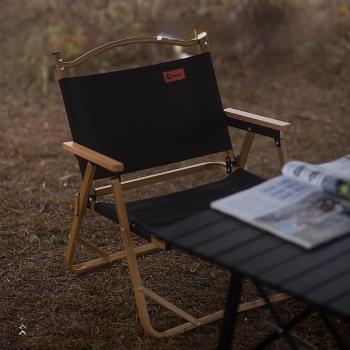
[[245, 149], [247, 144], [282, 153], [80, 202], [141, 292]]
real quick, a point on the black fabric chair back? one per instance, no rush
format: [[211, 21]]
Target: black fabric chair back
[[148, 116]]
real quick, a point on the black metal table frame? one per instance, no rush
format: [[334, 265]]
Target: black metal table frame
[[229, 320]]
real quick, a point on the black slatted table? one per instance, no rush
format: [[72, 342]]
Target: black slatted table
[[321, 276]]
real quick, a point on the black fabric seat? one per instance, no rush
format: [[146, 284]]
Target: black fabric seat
[[149, 215]]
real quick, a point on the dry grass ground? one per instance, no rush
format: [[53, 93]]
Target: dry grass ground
[[309, 88]]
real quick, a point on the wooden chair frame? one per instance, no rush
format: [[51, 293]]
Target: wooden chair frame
[[89, 193]]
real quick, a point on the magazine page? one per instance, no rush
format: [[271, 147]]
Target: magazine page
[[307, 172], [267, 197], [339, 167], [318, 218], [291, 209], [333, 177]]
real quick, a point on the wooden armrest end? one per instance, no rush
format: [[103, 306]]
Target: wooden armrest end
[[257, 119], [94, 157]]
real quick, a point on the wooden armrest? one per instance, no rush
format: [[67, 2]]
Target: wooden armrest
[[256, 119], [94, 157]]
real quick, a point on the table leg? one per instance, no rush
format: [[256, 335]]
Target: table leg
[[333, 330], [232, 302]]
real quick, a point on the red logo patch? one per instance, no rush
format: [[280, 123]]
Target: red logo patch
[[174, 75]]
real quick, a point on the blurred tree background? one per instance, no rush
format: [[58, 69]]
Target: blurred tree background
[[244, 34]]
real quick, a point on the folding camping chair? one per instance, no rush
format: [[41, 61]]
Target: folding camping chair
[[135, 119]]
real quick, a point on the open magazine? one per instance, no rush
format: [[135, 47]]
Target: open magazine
[[308, 204]]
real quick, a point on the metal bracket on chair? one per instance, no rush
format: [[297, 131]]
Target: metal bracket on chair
[[254, 128], [231, 163], [76, 202], [278, 139], [92, 200]]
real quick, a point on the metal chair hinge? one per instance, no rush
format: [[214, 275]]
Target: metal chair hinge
[[92, 200], [231, 163], [278, 140]]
